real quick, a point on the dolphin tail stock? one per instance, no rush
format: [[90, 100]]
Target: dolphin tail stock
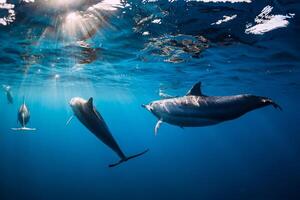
[[23, 129], [127, 158]]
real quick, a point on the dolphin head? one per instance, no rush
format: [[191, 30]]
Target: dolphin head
[[6, 88], [148, 107], [152, 107], [76, 102]]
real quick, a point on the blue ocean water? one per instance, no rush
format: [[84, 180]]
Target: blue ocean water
[[128, 53]]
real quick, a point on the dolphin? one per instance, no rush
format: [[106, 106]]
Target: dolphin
[[9, 96], [23, 118], [196, 109], [92, 120]]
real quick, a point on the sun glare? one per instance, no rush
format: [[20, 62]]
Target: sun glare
[[83, 24], [63, 3], [72, 17]]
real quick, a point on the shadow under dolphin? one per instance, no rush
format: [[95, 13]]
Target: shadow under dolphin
[[196, 109], [92, 120]]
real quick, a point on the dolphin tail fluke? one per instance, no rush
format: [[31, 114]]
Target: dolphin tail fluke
[[274, 104], [128, 158], [23, 129]]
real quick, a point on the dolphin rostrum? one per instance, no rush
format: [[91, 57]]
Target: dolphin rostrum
[[9, 96], [92, 120], [196, 109], [23, 118]]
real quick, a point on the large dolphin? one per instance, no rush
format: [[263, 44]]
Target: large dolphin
[[195, 109], [23, 118], [91, 119], [9, 96]]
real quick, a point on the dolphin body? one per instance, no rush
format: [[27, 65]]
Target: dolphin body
[[9, 96], [196, 109], [92, 120], [23, 118]]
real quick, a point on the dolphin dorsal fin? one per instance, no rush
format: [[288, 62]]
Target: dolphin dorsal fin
[[90, 103], [195, 90]]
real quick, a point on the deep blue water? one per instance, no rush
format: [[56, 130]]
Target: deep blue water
[[123, 54]]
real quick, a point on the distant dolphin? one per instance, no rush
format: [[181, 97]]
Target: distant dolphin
[[9, 96], [91, 119], [164, 95], [195, 109], [23, 117]]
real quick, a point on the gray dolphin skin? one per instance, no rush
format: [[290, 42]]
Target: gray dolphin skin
[[195, 109], [9, 96], [92, 120], [23, 118]]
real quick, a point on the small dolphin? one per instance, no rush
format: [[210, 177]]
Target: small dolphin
[[23, 117], [9, 96], [92, 120], [195, 109]]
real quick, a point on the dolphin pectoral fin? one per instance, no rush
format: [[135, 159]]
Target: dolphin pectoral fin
[[23, 129], [128, 158], [69, 120], [157, 126]]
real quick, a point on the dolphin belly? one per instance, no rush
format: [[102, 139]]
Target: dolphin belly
[[186, 121], [23, 118], [95, 123], [23, 115]]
